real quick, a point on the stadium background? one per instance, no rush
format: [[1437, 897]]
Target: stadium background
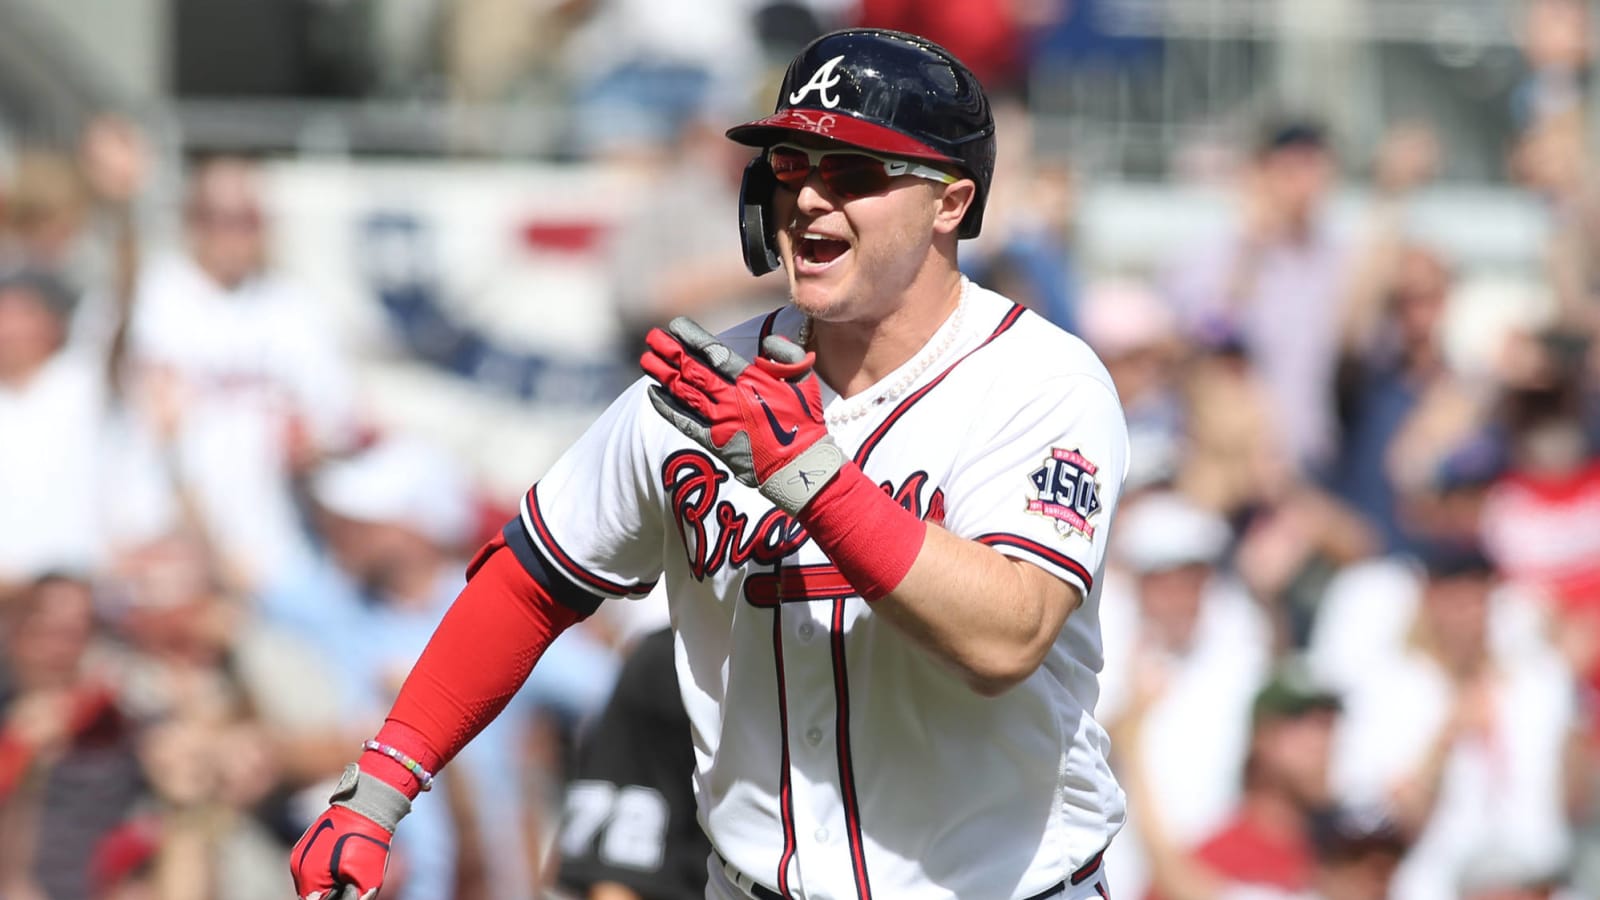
[[1340, 255]]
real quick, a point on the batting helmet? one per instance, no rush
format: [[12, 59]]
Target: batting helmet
[[886, 91]]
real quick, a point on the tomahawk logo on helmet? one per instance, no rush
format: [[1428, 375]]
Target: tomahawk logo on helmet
[[889, 92]]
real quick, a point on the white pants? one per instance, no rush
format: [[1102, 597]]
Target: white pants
[[720, 887]]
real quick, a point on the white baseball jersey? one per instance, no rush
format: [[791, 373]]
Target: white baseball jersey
[[835, 758]]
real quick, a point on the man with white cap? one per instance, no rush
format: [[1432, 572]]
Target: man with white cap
[[1200, 636]]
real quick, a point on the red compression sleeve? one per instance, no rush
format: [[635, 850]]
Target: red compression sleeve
[[476, 660], [870, 537]]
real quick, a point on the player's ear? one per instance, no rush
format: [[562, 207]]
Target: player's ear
[[953, 201]]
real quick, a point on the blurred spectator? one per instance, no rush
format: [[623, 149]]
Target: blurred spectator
[[1538, 519], [1357, 854], [630, 830], [1368, 612], [71, 475], [640, 70], [677, 251], [45, 212], [1392, 362], [47, 493], [398, 517], [1269, 842], [75, 216], [1557, 39], [984, 34], [1233, 458], [1026, 250], [250, 385], [1292, 536], [1271, 286], [786, 26], [1136, 337], [1176, 612], [68, 768], [1554, 159], [234, 716], [1467, 743], [1392, 375]]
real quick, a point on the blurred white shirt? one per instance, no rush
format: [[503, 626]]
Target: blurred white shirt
[[1195, 738], [1501, 796], [73, 481], [252, 364]]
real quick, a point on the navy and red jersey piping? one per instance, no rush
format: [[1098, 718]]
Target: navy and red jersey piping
[[877, 435], [847, 778], [785, 789], [533, 522], [1042, 551], [766, 328]]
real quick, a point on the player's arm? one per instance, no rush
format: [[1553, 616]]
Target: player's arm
[[479, 656], [523, 590], [991, 618]]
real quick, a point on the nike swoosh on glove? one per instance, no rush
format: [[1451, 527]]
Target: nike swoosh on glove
[[762, 419], [345, 852]]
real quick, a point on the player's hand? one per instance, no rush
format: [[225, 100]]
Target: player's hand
[[344, 854], [762, 419]]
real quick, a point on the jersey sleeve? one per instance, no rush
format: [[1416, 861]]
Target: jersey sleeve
[[1040, 482], [593, 522]]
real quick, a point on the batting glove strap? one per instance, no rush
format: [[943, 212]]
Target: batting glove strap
[[370, 797], [792, 487]]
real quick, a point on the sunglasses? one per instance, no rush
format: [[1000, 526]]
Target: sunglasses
[[846, 173]]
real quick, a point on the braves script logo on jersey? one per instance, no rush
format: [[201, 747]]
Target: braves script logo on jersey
[[716, 534], [1067, 491], [822, 81]]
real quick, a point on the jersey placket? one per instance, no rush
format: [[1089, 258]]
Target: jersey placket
[[824, 866]]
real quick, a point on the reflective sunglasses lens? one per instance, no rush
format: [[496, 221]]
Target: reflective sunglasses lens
[[853, 175], [790, 167]]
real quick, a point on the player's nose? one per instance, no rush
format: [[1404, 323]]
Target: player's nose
[[814, 198]]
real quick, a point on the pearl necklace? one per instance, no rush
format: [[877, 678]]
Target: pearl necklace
[[909, 373]]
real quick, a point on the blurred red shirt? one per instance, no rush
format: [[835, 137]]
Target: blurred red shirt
[[984, 34]]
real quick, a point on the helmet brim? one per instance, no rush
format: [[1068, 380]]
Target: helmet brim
[[842, 127]]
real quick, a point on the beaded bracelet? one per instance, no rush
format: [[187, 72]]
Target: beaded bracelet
[[424, 777]]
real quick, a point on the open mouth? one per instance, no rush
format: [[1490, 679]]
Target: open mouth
[[815, 252]]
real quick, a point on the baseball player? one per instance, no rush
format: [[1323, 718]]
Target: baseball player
[[880, 513]]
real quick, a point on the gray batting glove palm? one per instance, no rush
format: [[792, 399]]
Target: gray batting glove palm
[[763, 419]]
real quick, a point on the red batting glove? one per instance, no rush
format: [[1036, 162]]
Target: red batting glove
[[344, 854], [762, 419]]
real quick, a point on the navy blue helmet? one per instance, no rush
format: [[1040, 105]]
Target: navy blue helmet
[[886, 91]]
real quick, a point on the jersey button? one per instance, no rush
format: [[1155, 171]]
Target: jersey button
[[806, 631], [814, 736], [821, 835]]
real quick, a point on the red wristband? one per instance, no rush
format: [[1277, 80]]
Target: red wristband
[[870, 537]]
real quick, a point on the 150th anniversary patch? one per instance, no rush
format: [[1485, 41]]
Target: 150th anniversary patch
[[1066, 491]]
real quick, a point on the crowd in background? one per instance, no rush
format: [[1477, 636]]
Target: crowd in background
[[1351, 619]]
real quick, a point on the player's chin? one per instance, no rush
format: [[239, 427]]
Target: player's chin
[[816, 290]]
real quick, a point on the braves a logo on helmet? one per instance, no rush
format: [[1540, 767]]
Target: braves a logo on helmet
[[1067, 491], [822, 81]]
